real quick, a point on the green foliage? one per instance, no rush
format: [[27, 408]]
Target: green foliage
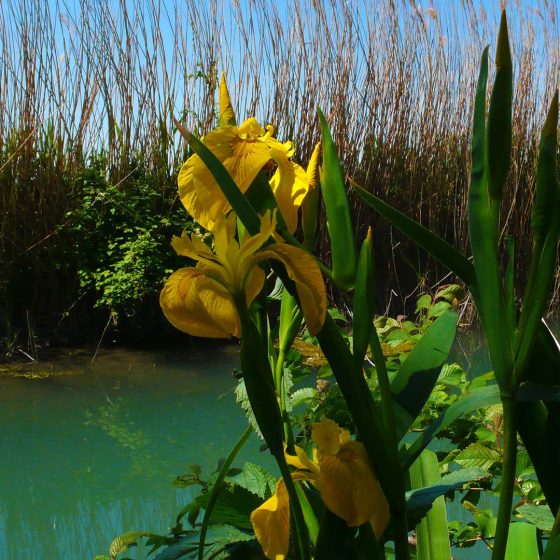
[[117, 236]]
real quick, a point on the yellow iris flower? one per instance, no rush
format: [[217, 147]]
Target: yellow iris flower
[[243, 151], [341, 470], [199, 300]]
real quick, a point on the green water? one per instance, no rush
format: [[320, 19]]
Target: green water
[[87, 457]]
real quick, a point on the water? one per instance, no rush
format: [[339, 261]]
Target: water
[[85, 458]]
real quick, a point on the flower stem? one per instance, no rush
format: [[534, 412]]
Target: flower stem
[[508, 477], [217, 487], [398, 509]]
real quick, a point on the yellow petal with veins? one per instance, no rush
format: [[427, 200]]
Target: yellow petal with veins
[[349, 486], [271, 523], [241, 152], [326, 435], [303, 270], [181, 304], [219, 305]]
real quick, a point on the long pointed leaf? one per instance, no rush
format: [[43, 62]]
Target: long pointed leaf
[[499, 117], [364, 301], [339, 222], [477, 399], [483, 236], [546, 227], [418, 374]]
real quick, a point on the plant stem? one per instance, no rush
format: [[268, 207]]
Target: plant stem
[[398, 515], [217, 487], [508, 477], [281, 391]]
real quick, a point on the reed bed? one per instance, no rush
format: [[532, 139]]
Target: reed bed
[[395, 78]]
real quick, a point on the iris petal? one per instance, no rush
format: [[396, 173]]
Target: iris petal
[[241, 153], [303, 270], [326, 435], [181, 304], [271, 523]]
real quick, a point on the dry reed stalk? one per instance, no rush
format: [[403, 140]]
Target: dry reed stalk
[[395, 79]]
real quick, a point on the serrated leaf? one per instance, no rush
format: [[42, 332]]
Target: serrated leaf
[[450, 293], [124, 542], [305, 395], [478, 455], [243, 400], [233, 506], [257, 480], [218, 537], [540, 516]]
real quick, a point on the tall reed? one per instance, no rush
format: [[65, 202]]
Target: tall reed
[[79, 78]]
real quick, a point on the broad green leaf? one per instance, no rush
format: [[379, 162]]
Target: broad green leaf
[[478, 455], [364, 301], [420, 500], [423, 237], [339, 222], [469, 402], [423, 302], [499, 118], [522, 542], [417, 376], [218, 537], [540, 516], [432, 534], [233, 506]]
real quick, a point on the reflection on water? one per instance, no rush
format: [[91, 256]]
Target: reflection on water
[[85, 458]]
